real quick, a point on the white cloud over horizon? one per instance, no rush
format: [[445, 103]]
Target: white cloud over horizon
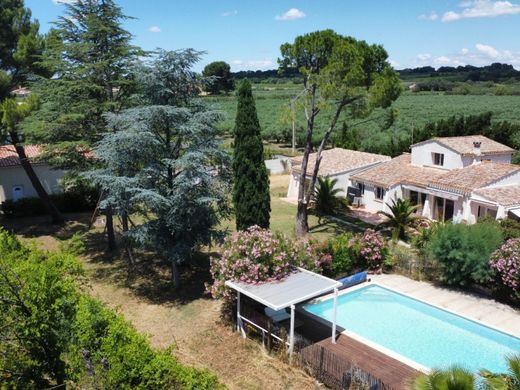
[[482, 9], [431, 16], [154, 29], [291, 14], [481, 55], [263, 64]]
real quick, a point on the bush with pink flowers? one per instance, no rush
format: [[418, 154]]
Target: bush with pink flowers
[[258, 255], [505, 261], [371, 248]]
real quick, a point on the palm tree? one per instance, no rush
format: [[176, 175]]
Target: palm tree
[[455, 378], [400, 218], [508, 381], [325, 196]]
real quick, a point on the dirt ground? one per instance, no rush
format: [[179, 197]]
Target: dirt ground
[[186, 319]]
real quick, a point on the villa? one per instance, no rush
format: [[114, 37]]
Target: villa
[[454, 178], [337, 163]]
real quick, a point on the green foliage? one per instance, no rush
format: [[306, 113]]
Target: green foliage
[[457, 378], [400, 219], [344, 255], [251, 195], [454, 378], [53, 334], [38, 300], [462, 252], [325, 199], [67, 202], [219, 76], [162, 160]]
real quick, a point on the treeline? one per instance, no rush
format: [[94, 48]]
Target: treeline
[[272, 76], [495, 72], [53, 335]]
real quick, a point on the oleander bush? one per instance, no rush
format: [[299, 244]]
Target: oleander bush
[[505, 262], [54, 335], [259, 255]]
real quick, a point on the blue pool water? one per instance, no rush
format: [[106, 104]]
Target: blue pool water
[[425, 334]]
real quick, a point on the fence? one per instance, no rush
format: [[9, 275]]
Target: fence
[[335, 371]]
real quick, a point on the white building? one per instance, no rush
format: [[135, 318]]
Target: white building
[[14, 183], [453, 178], [335, 163]]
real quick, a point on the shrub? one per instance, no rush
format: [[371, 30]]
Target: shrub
[[344, 258], [371, 248], [66, 202], [258, 255], [52, 334], [505, 262], [462, 252]]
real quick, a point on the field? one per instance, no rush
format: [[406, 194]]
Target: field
[[414, 111]]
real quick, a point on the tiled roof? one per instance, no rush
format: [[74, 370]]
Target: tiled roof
[[9, 157], [464, 145], [339, 160], [505, 195], [468, 179], [399, 171]]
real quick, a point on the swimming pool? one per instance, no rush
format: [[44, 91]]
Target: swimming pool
[[427, 335]]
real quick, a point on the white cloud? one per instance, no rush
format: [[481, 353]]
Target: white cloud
[[482, 9], [481, 55], [154, 29], [58, 2], [431, 16], [424, 56], [394, 63], [292, 14], [237, 65], [229, 13]]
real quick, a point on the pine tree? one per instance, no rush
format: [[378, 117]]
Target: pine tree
[[91, 56], [251, 185]]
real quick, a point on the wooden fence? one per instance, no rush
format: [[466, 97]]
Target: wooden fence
[[335, 371]]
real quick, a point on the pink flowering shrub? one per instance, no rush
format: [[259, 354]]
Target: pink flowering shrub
[[371, 249], [505, 261], [258, 255]]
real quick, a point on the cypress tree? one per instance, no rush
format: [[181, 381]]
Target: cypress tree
[[251, 185]]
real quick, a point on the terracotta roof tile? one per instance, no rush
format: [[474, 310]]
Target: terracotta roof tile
[[9, 157], [464, 145], [468, 179], [339, 160], [399, 171], [505, 195]]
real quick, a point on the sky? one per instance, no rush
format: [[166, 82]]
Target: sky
[[247, 34]]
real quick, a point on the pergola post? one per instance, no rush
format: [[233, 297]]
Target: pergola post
[[291, 332], [334, 310], [240, 328]]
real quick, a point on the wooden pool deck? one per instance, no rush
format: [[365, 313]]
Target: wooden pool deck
[[393, 373]]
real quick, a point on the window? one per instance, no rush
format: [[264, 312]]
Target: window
[[380, 193], [444, 209], [361, 187], [438, 159]]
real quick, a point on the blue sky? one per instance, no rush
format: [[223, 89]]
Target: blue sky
[[247, 34]]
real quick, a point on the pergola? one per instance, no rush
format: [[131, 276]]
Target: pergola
[[297, 287]]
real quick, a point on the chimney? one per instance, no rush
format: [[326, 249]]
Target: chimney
[[476, 148]]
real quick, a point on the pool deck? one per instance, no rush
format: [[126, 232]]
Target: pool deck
[[487, 311]]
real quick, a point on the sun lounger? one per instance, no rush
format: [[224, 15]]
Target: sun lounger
[[277, 315]]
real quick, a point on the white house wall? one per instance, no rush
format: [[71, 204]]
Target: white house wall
[[16, 176], [422, 155], [497, 158]]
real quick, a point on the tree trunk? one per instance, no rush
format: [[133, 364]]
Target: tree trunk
[[176, 276], [302, 225], [109, 224], [55, 214]]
